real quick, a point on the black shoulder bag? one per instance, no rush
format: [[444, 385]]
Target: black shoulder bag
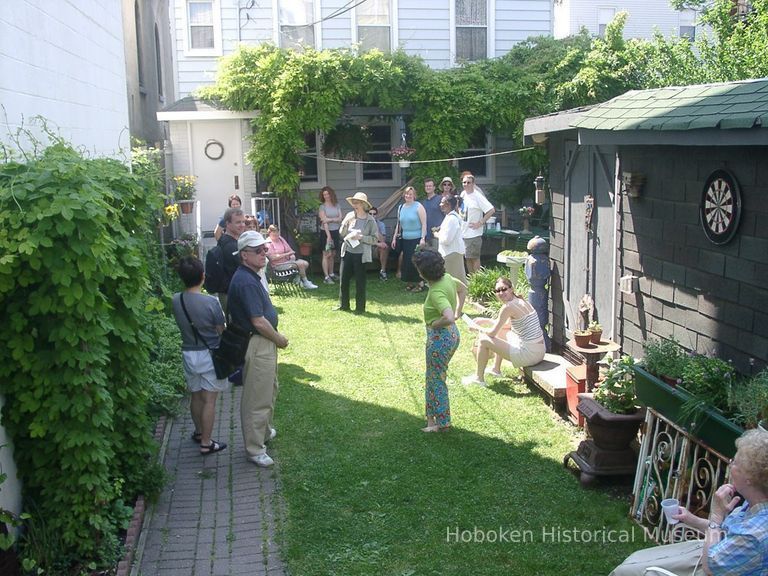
[[229, 356]]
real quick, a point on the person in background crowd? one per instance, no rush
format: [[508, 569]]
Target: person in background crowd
[[477, 188], [442, 306], [412, 222], [251, 309], [200, 321], [234, 225], [524, 342], [251, 223], [382, 246], [735, 541], [233, 201], [359, 233], [446, 187], [282, 257], [434, 215], [330, 221], [477, 210], [451, 241]]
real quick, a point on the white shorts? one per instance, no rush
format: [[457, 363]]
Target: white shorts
[[524, 353], [199, 372]]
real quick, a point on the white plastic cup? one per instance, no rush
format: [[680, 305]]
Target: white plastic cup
[[670, 506]]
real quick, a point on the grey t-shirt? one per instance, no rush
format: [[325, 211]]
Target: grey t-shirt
[[332, 212], [205, 311]]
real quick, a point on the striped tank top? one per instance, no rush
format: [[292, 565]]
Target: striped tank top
[[527, 327]]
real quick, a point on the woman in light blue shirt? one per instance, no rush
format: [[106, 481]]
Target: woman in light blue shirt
[[412, 224]]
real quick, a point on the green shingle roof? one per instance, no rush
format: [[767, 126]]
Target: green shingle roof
[[742, 104]]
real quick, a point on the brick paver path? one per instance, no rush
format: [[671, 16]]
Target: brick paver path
[[218, 514]]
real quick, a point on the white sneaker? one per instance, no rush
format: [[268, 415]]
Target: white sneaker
[[272, 434], [262, 460], [308, 285], [492, 372], [328, 280], [472, 380]]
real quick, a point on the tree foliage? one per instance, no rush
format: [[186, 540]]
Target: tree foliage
[[74, 239]]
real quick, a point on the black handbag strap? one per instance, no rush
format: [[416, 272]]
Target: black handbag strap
[[191, 324]]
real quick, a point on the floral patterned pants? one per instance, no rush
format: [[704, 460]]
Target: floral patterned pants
[[441, 344]]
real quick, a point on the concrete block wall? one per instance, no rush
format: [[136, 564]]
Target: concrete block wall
[[713, 299]]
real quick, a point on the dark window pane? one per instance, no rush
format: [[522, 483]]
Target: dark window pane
[[477, 147], [380, 147], [310, 162], [471, 44]]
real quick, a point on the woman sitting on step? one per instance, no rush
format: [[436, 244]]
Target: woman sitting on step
[[524, 342]]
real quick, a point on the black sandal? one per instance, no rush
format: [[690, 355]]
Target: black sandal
[[212, 447], [197, 437]]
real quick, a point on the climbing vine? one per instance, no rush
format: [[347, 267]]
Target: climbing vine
[[296, 93], [74, 236]]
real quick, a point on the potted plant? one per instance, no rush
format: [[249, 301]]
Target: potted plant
[[583, 338], [611, 412], [596, 331], [304, 241], [749, 400], [184, 192], [665, 358], [612, 421], [402, 155], [526, 212]]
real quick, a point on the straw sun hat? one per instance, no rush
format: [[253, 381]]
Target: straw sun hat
[[361, 197]]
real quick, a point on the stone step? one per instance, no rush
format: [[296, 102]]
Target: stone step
[[549, 377]]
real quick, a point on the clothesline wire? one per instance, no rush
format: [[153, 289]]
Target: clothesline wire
[[454, 159]]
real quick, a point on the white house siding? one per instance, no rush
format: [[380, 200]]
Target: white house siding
[[335, 32], [561, 21], [516, 20], [423, 30], [644, 17], [64, 61]]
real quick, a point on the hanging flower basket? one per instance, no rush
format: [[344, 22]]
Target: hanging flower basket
[[186, 206], [403, 155], [184, 187]]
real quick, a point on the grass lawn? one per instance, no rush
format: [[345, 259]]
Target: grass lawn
[[367, 492]]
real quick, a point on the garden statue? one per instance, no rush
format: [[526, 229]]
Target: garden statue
[[537, 271]]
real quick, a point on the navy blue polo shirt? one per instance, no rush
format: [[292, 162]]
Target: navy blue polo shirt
[[248, 299]]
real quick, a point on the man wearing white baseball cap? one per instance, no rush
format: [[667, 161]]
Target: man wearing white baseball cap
[[251, 308]]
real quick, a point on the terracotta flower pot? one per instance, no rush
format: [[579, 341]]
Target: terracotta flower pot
[[186, 206], [596, 336], [582, 338]]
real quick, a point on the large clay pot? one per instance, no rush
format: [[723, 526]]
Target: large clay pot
[[609, 431]]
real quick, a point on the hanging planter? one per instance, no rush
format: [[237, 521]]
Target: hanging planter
[[402, 155], [186, 206]]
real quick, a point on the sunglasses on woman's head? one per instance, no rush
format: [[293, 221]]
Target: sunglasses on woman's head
[[500, 290]]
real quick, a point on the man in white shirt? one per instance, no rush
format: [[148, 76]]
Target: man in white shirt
[[476, 211]]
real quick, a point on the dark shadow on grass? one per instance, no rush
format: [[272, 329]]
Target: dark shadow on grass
[[512, 387], [368, 493]]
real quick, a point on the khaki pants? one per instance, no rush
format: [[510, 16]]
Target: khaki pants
[[681, 558], [257, 404]]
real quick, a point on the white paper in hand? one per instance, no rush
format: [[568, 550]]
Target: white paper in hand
[[351, 239]]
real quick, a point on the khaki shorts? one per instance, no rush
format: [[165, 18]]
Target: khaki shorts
[[473, 247]]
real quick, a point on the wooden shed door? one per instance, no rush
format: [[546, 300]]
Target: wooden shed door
[[589, 251]]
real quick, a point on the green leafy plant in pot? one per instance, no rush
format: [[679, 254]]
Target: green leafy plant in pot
[[666, 359], [749, 400], [596, 332]]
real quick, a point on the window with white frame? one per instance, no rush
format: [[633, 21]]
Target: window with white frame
[[380, 150], [471, 30], [478, 146], [309, 167], [604, 17], [201, 25], [688, 24], [296, 23], [373, 25]]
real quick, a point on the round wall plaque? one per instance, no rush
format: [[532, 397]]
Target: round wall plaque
[[720, 207], [214, 149]]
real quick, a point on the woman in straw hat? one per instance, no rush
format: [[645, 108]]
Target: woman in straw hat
[[359, 233]]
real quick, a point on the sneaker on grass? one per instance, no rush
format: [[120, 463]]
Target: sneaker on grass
[[308, 285], [472, 380]]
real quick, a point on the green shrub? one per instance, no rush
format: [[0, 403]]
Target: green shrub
[[709, 380], [75, 235], [617, 390], [749, 399], [482, 283], [164, 370]]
